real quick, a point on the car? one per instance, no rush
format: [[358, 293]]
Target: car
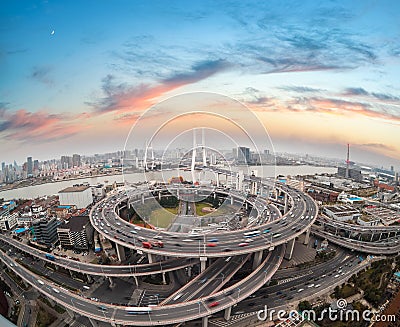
[[212, 244], [311, 285], [213, 240], [300, 290], [133, 232], [229, 293], [318, 285], [243, 244], [249, 240], [227, 250], [137, 228], [188, 240], [213, 304], [336, 276], [278, 293], [211, 299], [177, 244], [251, 304]]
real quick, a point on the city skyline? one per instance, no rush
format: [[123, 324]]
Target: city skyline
[[317, 75]]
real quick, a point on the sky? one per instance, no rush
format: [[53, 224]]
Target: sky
[[75, 76]]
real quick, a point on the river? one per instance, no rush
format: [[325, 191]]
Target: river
[[31, 192]]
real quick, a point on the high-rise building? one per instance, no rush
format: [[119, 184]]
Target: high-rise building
[[45, 231], [66, 162], [76, 160], [242, 155], [29, 167]]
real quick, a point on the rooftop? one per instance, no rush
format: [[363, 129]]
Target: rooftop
[[75, 223], [70, 189]]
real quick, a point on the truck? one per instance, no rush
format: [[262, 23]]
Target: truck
[[50, 257]]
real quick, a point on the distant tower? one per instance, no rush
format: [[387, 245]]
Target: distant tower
[[348, 161], [203, 144], [149, 146], [194, 152]]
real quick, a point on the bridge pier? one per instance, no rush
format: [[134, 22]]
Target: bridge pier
[[231, 200], [285, 209], [111, 282], [217, 180], [142, 198], [136, 281], [159, 195], [164, 281], [372, 236], [257, 259], [380, 236], [289, 249], [120, 252], [150, 257], [89, 278], [203, 263], [189, 271], [93, 322], [307, 238], [204, 322], [227, 313]]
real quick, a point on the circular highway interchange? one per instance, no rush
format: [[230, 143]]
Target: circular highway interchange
[[218, 253]]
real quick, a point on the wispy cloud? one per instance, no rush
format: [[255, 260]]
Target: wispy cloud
[[28, 127], [42, 74], [300, 89], [378, 146], [384, 97], [121, 97]]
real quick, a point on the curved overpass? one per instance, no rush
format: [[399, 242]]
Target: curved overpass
[[392, 247], [104, 270], [298, 220], [160, 315]]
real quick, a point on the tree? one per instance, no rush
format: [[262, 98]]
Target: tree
[[304, 305]]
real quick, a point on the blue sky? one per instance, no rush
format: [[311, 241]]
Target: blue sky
[[318, 75]]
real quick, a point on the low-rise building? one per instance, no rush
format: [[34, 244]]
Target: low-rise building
[[76, 233], [78, 195], [342, 212]]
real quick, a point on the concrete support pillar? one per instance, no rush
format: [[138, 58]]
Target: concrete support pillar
[[142, 198], [189, 271], [150, 257], [203, 263], [307, 238], [164, 281], [136, 281], [120, 252], [70, 313], [372, 236], [227, 313], [231, 200], [70, 273], [111, 282], [289, 250], [204, 322], [257, 259], [217, 180], [380, 236], [89, 278], [159, 195], [93, 322], [285, 209]]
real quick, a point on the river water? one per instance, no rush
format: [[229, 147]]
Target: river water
[[31, 192]]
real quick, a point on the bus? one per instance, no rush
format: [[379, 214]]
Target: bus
[[253, 233], [50, 257], [138, 310]]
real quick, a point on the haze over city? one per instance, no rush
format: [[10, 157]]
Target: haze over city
[[75, 76]]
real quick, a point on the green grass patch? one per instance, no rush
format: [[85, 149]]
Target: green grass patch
[[161, 217], [200, 206], [174, 211]]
